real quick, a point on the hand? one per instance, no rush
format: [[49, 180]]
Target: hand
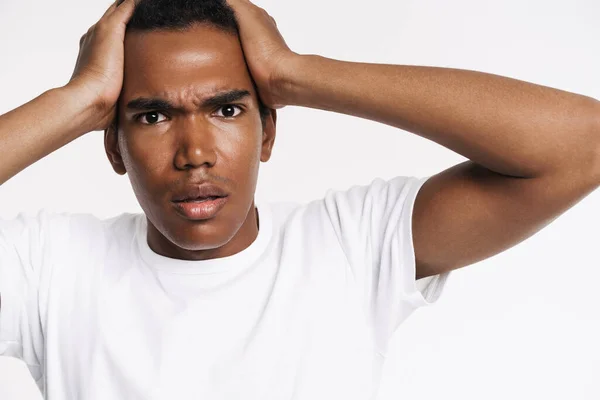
[[265, 51], [98, 73]]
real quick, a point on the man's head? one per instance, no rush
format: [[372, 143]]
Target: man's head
[[189, 112]]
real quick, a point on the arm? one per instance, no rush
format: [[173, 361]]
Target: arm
[[86, 103], [534, 150], [511, 127], [36, 129]]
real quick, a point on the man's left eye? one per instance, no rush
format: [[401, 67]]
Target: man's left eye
[[151, 118], [230, 110]]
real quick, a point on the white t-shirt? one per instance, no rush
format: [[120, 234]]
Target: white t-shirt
[[305, 312]]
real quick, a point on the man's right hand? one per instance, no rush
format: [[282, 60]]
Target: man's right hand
[[87, 103], [98, 74]]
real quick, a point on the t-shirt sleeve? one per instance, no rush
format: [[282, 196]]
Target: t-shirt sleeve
[[23, 273], [374, 226]]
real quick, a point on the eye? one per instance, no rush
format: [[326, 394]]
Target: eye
[[230, 108], [152, 117]]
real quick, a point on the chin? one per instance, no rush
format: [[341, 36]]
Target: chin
[[198, 235]]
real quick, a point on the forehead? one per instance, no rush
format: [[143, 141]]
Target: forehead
[[196, 61]]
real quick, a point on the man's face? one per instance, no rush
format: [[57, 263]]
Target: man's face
[[165, 150]]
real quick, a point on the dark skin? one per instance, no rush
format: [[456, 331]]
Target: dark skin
[[533, 151], [163, 149]]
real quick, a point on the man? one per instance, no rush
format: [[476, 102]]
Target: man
[[208, 295]]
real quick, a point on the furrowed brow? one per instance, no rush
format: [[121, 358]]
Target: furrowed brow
[[145, 103], [225, 98]]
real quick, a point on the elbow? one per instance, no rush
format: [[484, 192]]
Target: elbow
[[580, 164]]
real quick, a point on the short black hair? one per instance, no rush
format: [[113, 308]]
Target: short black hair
[[179, 15]]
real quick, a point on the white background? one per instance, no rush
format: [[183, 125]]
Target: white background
[[523, 324]]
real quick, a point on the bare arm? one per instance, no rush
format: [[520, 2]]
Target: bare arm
[[45, 124], [509, 126], [86, 103], [534, 151]]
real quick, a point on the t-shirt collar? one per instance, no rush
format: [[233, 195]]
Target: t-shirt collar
[[237, 261]]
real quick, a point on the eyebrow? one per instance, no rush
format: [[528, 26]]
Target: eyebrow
[[221, 98]]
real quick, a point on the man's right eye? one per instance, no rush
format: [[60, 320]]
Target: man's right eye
[[150, 118]]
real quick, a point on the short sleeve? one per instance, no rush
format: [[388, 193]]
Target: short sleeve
[[374, 226], [23, 271]]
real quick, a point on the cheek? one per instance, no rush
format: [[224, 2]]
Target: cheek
[[247, 151], [145, 157], [243, 150]]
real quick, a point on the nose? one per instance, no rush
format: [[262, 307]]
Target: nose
[[195, 144]]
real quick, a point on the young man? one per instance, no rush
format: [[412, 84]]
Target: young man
[[209, 295]]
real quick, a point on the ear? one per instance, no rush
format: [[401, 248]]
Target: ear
[[268, 136], [113, 152]]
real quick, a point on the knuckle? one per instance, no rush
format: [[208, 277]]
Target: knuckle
[[100, 26], [103, 27]]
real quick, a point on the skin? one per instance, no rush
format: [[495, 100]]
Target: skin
[[161, 153], [534, 151]]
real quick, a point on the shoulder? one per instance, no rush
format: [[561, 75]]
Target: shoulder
[[283, 210], [49, 227]]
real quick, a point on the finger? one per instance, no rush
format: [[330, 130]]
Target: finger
[[110, 9], [117, 8], [238, 3], [124, 10], [85, 35]]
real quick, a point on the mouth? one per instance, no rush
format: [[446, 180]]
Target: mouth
[[202, 208], [199, 199]]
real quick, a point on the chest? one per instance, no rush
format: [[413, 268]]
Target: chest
[[278, 333]]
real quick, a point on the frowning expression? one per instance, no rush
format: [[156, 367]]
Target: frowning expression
[[189, 112]]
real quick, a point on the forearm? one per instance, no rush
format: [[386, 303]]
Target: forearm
[[509, 126], [39, 127]]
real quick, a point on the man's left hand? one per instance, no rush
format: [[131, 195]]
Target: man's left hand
[[265, 50]]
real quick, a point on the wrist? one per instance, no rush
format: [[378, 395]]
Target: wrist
[[83, 105], [289, 79]]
